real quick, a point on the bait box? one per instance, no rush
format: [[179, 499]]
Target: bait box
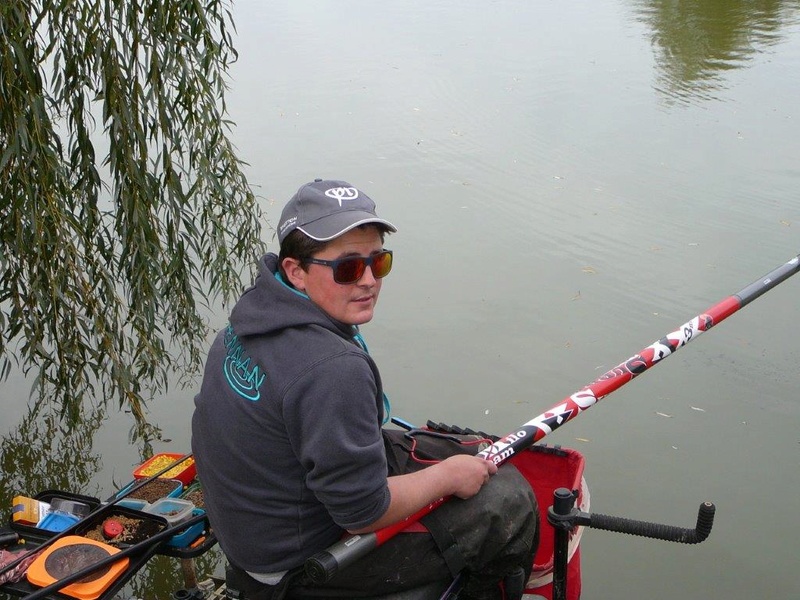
[[139, 526], [194, 494], [190, 534], [185, 472], [57, 522], [133, 503], [175, 491], [174, 510]]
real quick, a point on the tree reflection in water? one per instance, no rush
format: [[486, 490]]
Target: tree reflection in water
[[47, 452], [696, 42]]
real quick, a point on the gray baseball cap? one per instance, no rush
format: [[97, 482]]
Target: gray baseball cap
[[326, 209]]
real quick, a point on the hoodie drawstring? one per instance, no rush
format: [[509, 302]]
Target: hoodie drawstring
[[387, 407]]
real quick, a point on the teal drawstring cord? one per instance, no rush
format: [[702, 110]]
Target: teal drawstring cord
[[387, 407], [279, 277]]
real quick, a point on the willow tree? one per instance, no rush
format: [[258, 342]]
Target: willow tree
[[124, 209]]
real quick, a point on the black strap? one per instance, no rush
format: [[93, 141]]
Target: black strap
[[240, 585], [446, 543], [286, 582]]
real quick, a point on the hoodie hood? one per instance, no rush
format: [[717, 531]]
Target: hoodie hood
[[270, 305]]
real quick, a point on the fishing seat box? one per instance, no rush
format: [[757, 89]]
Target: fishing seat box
[[546, 469]]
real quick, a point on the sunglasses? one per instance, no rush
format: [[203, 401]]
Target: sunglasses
[[351, 268]]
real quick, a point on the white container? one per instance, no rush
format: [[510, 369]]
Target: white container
[[174, 510]]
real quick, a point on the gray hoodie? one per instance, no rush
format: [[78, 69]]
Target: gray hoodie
[[286, 429]]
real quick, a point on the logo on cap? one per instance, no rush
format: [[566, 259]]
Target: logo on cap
[[288, 223], [342, 193]]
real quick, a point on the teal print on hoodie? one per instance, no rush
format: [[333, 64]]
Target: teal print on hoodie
[[244, 378]]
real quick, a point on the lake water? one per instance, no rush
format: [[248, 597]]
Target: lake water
[[571, 181]]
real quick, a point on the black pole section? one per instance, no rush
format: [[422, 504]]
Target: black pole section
[[8, 538], [768, 281]]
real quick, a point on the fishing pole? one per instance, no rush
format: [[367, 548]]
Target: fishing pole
[[323, 565]]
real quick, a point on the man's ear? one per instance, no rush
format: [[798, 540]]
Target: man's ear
[[295, 273]]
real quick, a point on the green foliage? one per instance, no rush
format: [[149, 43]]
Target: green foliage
[[123, 206]]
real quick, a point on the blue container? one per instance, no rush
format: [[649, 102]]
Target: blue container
[[57, 521], [133, 503], [187, 536]]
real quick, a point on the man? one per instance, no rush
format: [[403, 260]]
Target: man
[[287, 429]]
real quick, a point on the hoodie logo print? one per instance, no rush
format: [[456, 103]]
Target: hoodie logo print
[[342, 193], [243, 377]]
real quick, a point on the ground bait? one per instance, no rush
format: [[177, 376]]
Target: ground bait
[[134, 530], [154, 490]]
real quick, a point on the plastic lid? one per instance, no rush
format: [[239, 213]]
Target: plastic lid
[[73, 507], [112, 528]]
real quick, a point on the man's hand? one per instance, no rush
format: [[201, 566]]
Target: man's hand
[[461, 476], [466, 474]]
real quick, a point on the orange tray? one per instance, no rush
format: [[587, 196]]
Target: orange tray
[[185, 472], [46, 570]]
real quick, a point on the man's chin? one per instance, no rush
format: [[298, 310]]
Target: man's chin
[[361, 318]]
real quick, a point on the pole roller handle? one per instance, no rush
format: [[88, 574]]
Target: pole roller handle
[[324, 564]]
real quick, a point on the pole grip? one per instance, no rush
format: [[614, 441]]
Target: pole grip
[[324, 564]]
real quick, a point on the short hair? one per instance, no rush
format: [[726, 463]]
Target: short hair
[[299, 246]]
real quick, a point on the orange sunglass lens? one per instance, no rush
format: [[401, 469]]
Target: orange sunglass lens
[[349, 270], [381, 265]]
